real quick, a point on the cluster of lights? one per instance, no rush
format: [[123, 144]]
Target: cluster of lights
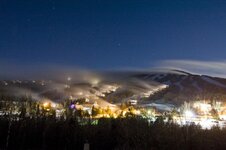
[[48, 105], [198, 112], [188, 114]]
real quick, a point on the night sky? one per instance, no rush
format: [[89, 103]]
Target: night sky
[[105, 34]]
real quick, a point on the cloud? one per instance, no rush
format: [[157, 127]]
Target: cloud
[[61, 72], [45, 72], [212, 68]]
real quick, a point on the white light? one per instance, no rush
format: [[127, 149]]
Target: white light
[[95, 81], [149, 112], [189, 114], [53, 105], [138, 112], [69, 78]]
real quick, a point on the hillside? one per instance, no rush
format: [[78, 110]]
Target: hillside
[[171, 86]]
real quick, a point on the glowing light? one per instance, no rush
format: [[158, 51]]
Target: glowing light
[[80, 93], [114, 115], [46, 104], [95, 81], [204, 107], [206, 123], [188, 114], [223, 117], [86, 100], [123, 113], [149, 112], [174, 117], [138, 112], [72, 106], [69, 78], [53, 105]]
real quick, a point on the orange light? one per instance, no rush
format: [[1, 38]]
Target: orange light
[[46, 104]]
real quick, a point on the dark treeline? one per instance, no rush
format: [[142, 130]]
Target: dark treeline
[[129, 133]]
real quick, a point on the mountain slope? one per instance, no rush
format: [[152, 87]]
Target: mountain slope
[[173, 86]]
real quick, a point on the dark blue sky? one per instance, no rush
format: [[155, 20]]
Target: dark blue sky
[[105, 34]]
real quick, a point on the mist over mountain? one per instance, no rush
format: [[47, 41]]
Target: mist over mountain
[[173, 86]]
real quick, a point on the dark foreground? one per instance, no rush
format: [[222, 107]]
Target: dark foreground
[[130, 133]]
